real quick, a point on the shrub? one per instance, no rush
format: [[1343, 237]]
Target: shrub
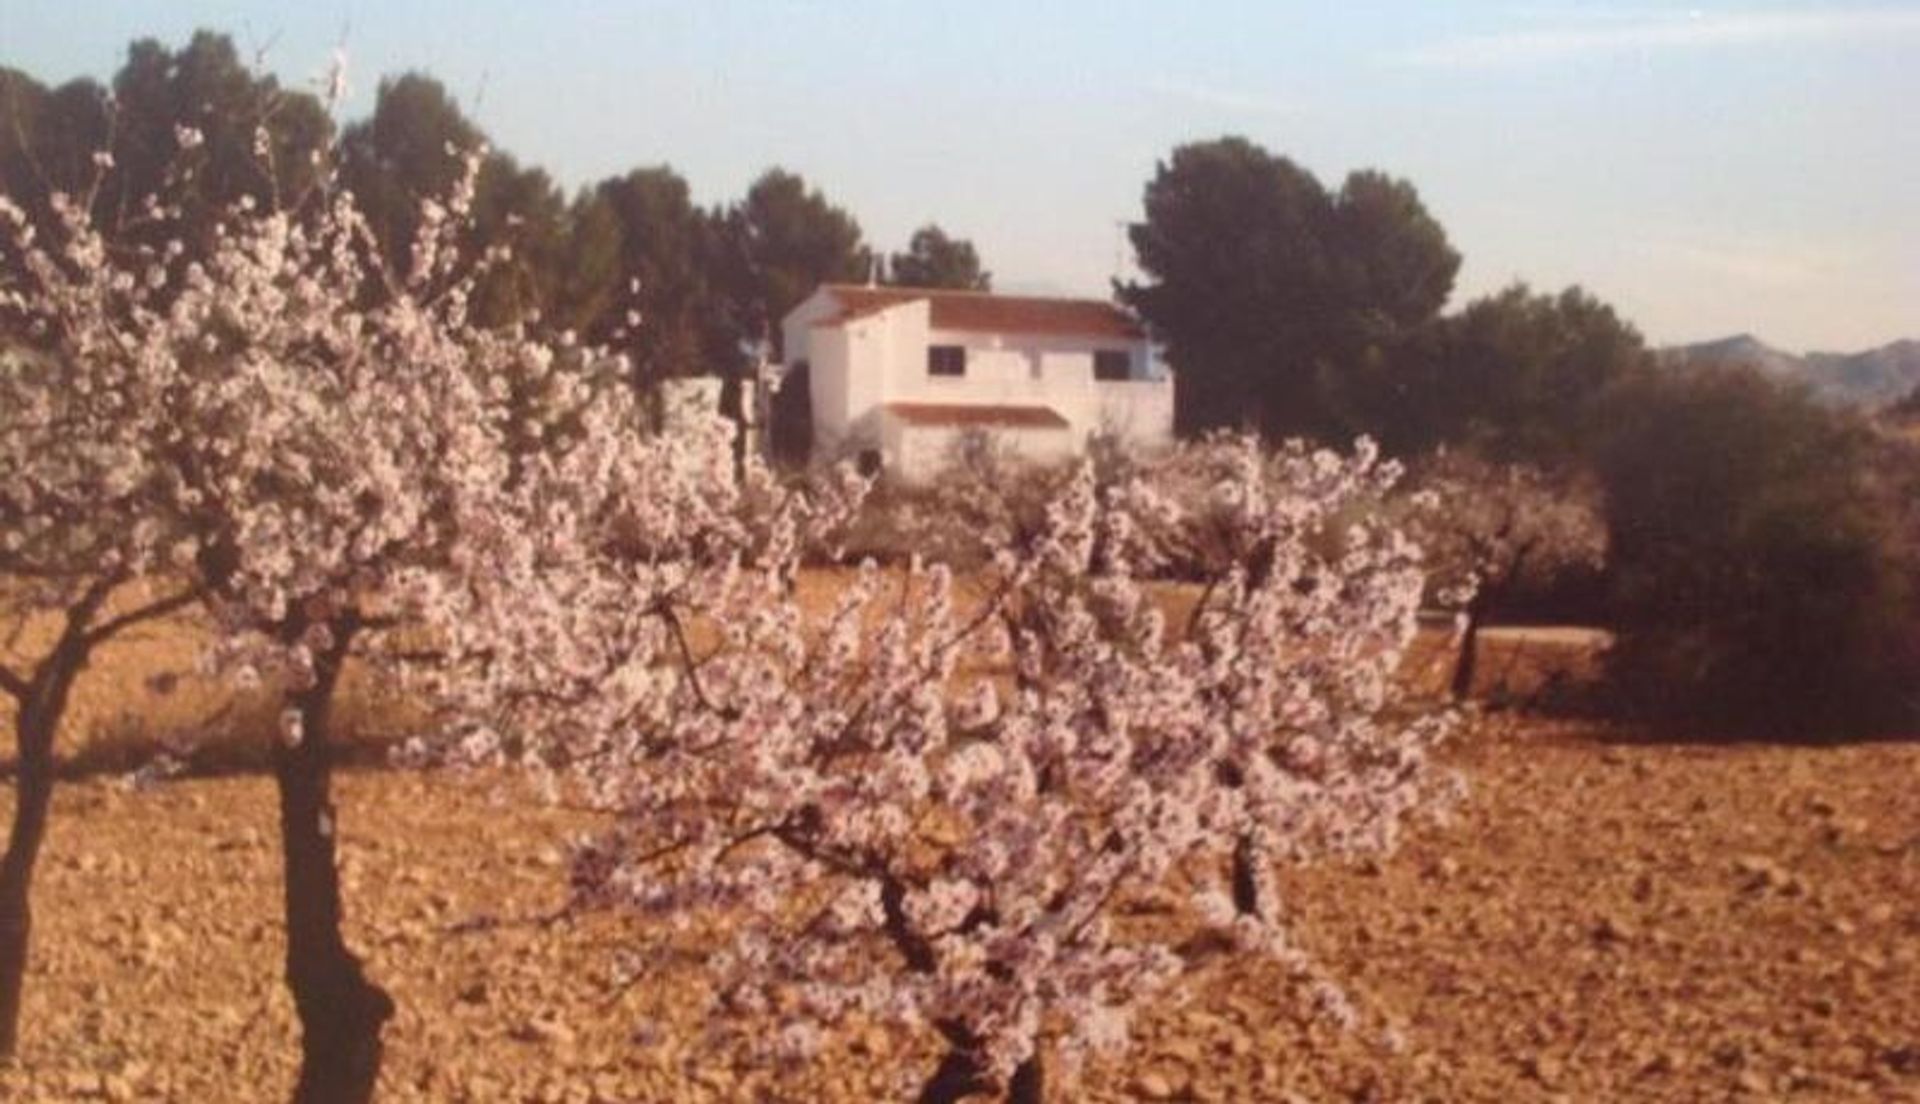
[[1763, 561]]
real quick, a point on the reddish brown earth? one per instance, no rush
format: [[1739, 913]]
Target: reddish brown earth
[[1600, 922]]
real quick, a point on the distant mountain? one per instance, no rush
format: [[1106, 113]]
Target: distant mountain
[[1873, 379]]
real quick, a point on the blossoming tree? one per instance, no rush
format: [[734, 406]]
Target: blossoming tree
[[82, 514], [923, 802], [350, 433], [1491, 528], [328, 446]]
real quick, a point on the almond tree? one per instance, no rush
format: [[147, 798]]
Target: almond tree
[[923, 809], [1308, 599], [1490, 528], [330, 442], [349, 431], [82, 509]]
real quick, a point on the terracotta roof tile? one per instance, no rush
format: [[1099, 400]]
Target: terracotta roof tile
[[971, 414], [981, 311]]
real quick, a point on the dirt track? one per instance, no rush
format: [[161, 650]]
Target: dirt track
[[1600, 923]]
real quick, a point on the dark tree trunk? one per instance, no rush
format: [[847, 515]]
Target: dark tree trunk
[[1246, 880], [341, 1010], [1466, 663], [1029, 1084], [39, 702], [960, 1076], [37, 722]]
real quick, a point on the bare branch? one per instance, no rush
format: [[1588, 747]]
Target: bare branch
[[158, 608]]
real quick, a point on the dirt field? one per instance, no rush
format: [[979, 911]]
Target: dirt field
[[1601, 922]]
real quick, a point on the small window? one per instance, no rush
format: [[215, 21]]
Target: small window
[[946, 360], [1112, 364]]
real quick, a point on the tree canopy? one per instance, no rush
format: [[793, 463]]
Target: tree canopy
[[1268, 290], [411, 149], [668, 265], [1518, 375], [194, 124], [1764, 556], [934, 260], [788, 239]]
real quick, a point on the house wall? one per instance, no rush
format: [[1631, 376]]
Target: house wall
[[919, 453], [1140, 411], [860, 365], [796, 328], [1047, 370], [828, 375]]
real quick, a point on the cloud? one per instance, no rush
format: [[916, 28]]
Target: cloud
[[1226, 99], [1696, 29]]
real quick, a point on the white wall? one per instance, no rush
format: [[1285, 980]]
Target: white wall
[[918, 453], [1140, 411], [827, 375], [796, 328], [860, 365]]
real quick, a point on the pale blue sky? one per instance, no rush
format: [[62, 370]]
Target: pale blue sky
[[1708, 169]]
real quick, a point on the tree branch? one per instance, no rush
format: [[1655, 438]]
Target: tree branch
[[13, 684], [692, 665], [157, 608]]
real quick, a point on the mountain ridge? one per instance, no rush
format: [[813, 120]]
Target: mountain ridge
[[1872, 378]]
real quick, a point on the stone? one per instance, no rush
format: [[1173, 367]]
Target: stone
[[1614, 929], [1153, 1085], [544, 1030], [1543, 1068]]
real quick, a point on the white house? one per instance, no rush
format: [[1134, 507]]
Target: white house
[[898, 375]]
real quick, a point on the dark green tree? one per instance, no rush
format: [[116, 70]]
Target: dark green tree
[[205, 87], [1516, 375], [414, 147], [410, 148], [48, 138], [934, 260], [668, 266], [244, 137], [523, 210], [589, 292], [786, 240], [1763, 560], [1277, 300]]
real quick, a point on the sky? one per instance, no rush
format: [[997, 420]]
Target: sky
[[1709, 170]]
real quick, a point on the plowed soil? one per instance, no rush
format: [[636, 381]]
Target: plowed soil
[[1601, 921]]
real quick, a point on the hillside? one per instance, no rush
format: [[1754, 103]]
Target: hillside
[[1872, 379]]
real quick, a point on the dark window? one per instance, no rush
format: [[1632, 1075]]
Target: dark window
[[946, 360], [1112, 364]]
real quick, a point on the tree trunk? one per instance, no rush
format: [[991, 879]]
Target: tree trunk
[[40, 703], [1029, 1082], [1465, 663], [341, 1011], [1246, 880], [37, 722], [958, 1077]]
